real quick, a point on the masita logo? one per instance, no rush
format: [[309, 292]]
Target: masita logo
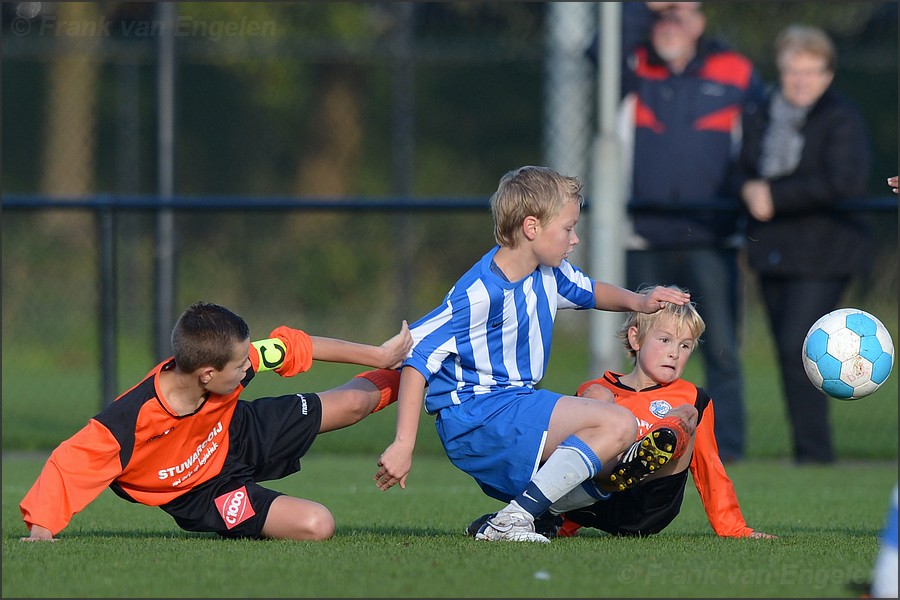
[[235, 507]]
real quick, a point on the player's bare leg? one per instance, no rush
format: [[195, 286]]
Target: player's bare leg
[[680, 425], [604, 426], [298, 519], [582, 434], [358, 398]]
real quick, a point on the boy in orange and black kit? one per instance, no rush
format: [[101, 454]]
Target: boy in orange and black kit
[[661, 344], [184, 441]]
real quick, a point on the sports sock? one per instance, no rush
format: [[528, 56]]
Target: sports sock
[[569, 528], [387, 381], [585, 494], [570, 464]]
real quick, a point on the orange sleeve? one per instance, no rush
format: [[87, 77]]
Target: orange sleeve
[[298, 351], [78, 470], [715, 487]]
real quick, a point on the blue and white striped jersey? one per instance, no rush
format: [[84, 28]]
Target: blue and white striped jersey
[[490, 334]]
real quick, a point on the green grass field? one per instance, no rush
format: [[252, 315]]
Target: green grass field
[[409, 543]]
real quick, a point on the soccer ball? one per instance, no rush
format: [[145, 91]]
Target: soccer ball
[[848, 354]]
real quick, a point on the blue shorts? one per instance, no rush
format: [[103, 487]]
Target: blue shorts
[[498, 438]]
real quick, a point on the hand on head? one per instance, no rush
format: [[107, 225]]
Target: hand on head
[[657, 298]]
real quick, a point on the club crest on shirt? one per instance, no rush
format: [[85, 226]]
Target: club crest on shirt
[[660, 408]]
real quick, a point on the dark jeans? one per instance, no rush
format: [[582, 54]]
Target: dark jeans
[[794, 303], [712, 278]]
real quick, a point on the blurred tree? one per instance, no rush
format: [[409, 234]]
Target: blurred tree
[[313, 109], [71, 115]]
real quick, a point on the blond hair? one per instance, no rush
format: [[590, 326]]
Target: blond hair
[[539, 192], [805, 39], [683, 316]]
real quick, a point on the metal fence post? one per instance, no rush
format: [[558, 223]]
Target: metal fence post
[[106, 230], [402, 150], [165, 219], [607, 212]]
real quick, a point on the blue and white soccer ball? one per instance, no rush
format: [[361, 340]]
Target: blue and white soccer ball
[[848, 354]]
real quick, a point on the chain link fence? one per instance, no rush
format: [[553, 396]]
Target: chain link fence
[[381, 102]]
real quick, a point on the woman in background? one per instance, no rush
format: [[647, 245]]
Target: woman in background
[[805, 151]]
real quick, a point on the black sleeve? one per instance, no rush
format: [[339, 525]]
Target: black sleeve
[[701, 403]]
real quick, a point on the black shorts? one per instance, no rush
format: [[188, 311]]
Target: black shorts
[[642, 510], [267, 437]]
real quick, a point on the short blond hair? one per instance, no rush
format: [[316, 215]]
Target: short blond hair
[[684, 316], [538, 192], [805, 39]]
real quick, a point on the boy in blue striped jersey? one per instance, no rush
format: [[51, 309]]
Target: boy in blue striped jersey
[[485, 348]]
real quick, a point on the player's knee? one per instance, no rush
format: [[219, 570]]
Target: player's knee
[[362, 404], [603, 426], [687, 413], [319, 525], [314, 524], [357, 404], [598, 392], [619, 426], [628, 427], [298, 519]]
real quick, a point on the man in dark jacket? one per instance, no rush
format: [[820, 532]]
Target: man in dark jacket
[[683, 98]]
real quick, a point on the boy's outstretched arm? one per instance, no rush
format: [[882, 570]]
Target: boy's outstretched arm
[[388, 355], [396, 461], [617, 299], [289, 351]]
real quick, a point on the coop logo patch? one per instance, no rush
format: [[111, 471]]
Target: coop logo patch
[[235, 507], [660, 408]]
